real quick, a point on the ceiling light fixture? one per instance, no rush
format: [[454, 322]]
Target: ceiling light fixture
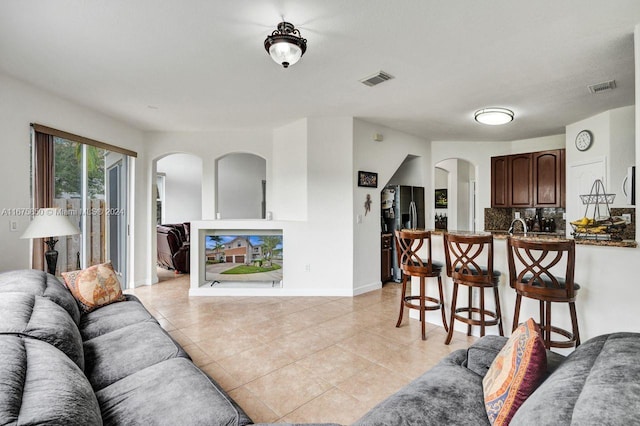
[[493, 116], [285, 45]]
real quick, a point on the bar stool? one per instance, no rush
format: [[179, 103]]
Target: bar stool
[[470, 263], [533, 277], [408, 244]]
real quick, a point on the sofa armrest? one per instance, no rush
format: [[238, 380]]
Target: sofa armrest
[[482, 352]]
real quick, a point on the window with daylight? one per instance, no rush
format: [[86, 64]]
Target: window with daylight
[[88, 180]]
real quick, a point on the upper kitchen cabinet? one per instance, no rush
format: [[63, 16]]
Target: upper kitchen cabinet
[[534, 179], [499, 176], [548, 178], [520, 179]]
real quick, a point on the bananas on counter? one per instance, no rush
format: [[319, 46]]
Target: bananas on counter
[[588, 226], [585, 221]]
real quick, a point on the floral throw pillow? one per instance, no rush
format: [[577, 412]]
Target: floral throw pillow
[[515, 373], [94, 287]]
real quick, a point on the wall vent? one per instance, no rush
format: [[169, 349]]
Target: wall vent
[[602, 87], [377, 78]]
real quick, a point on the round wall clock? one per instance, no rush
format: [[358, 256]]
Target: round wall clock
[[584, 139]]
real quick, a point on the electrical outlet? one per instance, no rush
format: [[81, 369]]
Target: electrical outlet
[[517, 215], [627, 217], [307, 267], [13, 225]]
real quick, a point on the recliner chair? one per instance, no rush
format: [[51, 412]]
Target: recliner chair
[[173, 251]]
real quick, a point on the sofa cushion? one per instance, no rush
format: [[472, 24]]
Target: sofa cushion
[[40, 283], [435, 398], [41, 385], [113, 356], [113, 317], [515, 373], [94, 287], [598, 383], [38, 317], [181, 394]]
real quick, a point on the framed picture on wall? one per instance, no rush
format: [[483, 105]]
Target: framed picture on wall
[[441, 198], [368, 179]]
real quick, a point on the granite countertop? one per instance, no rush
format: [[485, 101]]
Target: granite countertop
[[502, 235]]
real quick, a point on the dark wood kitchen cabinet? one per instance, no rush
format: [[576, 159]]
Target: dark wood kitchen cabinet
[[499, 178], [520, 180], [548, 178], [533, 179], [385, 261]]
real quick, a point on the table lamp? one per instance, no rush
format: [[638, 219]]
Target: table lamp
[[50, 222]]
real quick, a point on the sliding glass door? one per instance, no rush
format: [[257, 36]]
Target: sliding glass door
[[90, 184]]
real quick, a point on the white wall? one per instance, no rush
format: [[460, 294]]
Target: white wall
[[614, 141], [239, 186], [208, 146], [384, 158], [182, 187], [410, 173], [288, 184], [22, 104]]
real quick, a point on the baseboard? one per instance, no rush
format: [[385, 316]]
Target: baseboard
[[272, 292], [367, 288]]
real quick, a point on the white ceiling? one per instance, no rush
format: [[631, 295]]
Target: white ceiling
[[191, 65]]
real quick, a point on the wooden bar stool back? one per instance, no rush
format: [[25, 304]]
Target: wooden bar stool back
[[408, 245], [470, 263], [532, 273]]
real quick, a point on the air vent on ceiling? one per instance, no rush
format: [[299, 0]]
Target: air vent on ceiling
[[377, 78], [602, 87]]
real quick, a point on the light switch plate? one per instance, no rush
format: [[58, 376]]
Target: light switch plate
[[627, 217]]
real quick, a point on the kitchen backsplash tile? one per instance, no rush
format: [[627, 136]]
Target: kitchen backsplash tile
[[499, 219]]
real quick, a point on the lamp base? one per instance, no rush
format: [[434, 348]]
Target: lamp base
[[51, 256]]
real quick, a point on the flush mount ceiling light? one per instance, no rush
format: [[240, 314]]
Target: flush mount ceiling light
[[285, 45], [493, 116]]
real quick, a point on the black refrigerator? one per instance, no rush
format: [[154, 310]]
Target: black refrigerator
[[402, 208]]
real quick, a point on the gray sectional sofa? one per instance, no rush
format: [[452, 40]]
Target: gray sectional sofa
[[597, 384], [113, 366], [117, 366]]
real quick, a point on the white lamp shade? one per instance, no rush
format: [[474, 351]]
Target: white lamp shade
[[50, 223], [283, 51]]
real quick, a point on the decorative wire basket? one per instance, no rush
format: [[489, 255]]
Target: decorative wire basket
[[598, 227], [589, 199]]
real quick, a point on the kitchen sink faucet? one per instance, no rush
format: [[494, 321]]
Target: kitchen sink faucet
[[524, 225]]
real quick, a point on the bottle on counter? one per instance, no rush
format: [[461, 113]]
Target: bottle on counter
[[536, 224]]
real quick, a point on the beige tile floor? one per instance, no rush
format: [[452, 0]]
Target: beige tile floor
[[299, 359]]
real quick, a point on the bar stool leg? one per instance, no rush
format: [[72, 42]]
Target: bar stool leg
[[469, 313], [547, 324], [443, 313], [496, 297], [402, 296], [453, 313], [482, 326], [574, 322], [422, 304], [516, 314]]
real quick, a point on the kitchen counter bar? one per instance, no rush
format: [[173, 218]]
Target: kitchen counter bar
[[595, 269], [502, 235]]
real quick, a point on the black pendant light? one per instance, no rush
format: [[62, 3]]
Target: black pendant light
[[285, 45]]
